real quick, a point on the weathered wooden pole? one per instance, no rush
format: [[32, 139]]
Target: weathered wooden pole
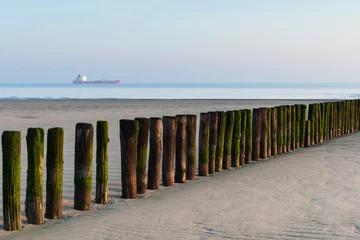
[[348, 115], [303, 124], [35, 153], [307, 142], [264, 133], [83, 165], [248, 150], [169, 135], [327, 116], [102, 139], [142, 150], [322, 122], [220, 141], [339, 118], [269, 112], [316, 123], [285, 129], [191, 147], [243, 137], [331, 119], [343, 119], [11, 174], [289, 126], [235, 147], [311, 118], [257, 117], [54, 173], [204, 133], [274, 131], [293, 127], [352, 116], [214, 118], [356, 109], [155, 153], [280, 128], [180, 149], [297, 133], [335, 119], [230, 116]]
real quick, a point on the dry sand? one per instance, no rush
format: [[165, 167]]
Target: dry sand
[[312, 193]]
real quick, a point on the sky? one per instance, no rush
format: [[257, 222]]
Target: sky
[[180, 40]]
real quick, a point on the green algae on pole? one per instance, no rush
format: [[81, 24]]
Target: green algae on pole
[[102, 139], [322, 122], [289, 125], [274, 131], [230, 116], [280, 129], [213, 140], [191, 147], [243, 137], [269, 132], [84, 133], [297, 130], [169, 135], [35, 153], [264, 133], [307, 131], [180, 149], [331, 119], [11, 174], [256, 123], [285, 129], [142, 150], [338, 119], [235, 148], [293, 127], [129, 132], [303, 124], [54, 170], [204, 132], [220, 141], [248, 147], [155, 153], [316, 123]]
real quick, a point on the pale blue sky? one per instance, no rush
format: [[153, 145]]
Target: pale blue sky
[[182, 40]]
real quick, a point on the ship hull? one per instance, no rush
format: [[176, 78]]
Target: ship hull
[[97, 82]]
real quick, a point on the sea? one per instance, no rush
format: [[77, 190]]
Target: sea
[[179, 91]]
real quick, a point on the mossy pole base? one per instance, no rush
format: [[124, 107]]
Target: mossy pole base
[[230, 117], [204, 133], [220, 141], [11, 174], [248, 149], [169, 135], [243, 137], [235, 147], [155, 153], [129, 132], [213, 140], [307, 141], [102, 139], [83, 165], [142, 150], [34, 209], [274, 131], [191, 147], [54, 173], [264, 133], [180, 154]]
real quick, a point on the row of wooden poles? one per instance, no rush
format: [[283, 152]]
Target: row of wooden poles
[[226, 139]]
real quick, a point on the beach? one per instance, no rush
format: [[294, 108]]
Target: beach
[[309, 193]]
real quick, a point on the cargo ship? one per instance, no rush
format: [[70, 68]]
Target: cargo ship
[[82, 79]]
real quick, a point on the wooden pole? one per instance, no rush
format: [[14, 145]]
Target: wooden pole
[[322, 122], [155, 153], [191, 147], [230, 116], [335, 119], [102, 139], [248, 150], [169, 135], [129, 132], [331, 120], [351, 116], [264, 133], [54, 173], [293, 127], [243, 137], [297, 133], [311, 118], [256, 133], [280, 128], [348, 115], [303, 124], [235, 147], [289, 126], [142, 150], [220, 141], [307, 142], [214, 118], [316, 123], [269, 112], [204, 133], [339, 118], [285, 129], [83, 165], [11, 174], [274, 131], [35, 153], [180, 149]]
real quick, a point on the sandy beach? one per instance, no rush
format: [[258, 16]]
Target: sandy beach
[[309, 193]]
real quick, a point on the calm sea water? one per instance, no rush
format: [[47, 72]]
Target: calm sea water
[[177, 91]]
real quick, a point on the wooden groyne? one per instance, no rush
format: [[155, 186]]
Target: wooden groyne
[[165, 151]]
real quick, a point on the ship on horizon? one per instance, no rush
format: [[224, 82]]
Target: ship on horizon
[[82, 79]]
